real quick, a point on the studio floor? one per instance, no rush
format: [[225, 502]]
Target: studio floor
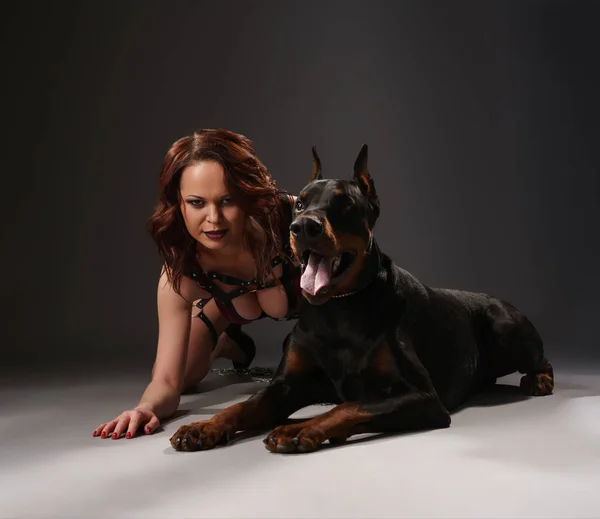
[[503, 456]]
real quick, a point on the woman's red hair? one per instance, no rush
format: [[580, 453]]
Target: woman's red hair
[[249, 184]]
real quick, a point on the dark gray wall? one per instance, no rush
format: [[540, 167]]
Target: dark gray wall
[[482, 121]]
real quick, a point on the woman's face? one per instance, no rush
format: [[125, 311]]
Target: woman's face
[[211, 217]]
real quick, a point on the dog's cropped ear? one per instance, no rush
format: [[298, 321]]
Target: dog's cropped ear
[[365, 182], [361, 170], [317, 173]]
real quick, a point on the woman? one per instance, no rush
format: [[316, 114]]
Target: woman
[[221, 228]]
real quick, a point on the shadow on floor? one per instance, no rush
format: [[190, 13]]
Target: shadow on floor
[[223, 389], [498, 394]]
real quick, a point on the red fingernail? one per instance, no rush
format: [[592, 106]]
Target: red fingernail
[[94, 433], [103, 435], [114, 436], [128, 435]]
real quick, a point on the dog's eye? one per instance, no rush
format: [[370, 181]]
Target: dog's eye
[[343, 204], [299, 205]]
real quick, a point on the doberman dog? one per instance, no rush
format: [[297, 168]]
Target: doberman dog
[[393, 353]]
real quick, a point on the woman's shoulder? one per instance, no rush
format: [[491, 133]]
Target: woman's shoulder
[[189, 288]]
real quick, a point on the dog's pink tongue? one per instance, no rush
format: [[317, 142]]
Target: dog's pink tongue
[[317, 274]]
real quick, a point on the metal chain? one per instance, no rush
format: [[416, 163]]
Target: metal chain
[[256, 373]]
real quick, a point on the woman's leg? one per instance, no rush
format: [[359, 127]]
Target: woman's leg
[[202, 350]]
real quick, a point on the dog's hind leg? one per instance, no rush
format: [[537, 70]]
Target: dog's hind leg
[[539, 383], [516, 345]]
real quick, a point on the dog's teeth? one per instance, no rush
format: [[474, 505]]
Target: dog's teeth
[[336, 263]]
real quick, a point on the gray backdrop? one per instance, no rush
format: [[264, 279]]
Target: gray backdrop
[[481, 117]]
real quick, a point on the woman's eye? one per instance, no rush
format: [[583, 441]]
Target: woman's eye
[[196, 203], [226, 201]]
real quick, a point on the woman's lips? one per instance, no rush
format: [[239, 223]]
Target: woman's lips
[[216, 235]]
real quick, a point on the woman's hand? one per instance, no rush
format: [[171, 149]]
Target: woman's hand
[[130, 421]]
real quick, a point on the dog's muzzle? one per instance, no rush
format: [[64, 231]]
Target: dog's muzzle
[[306, 229]]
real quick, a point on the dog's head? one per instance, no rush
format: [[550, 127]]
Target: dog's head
[[331, 230]]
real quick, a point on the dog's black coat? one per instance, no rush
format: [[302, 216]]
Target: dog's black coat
[[393, 352]]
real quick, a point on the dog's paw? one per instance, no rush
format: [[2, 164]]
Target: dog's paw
[[287, 439], [539, 384], [199, 436]]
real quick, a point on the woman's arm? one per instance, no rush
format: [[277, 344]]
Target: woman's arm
[[161, 397], [174, 316]]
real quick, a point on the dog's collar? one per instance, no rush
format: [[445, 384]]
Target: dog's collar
[[349, 293], [369, 273]]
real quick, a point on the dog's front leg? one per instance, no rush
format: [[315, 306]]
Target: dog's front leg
[[267, 407], [292, 388], [410, 411]]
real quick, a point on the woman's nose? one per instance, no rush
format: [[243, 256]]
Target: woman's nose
[[213, 213]]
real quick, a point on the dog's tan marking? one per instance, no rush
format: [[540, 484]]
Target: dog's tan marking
[[539, 384]]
